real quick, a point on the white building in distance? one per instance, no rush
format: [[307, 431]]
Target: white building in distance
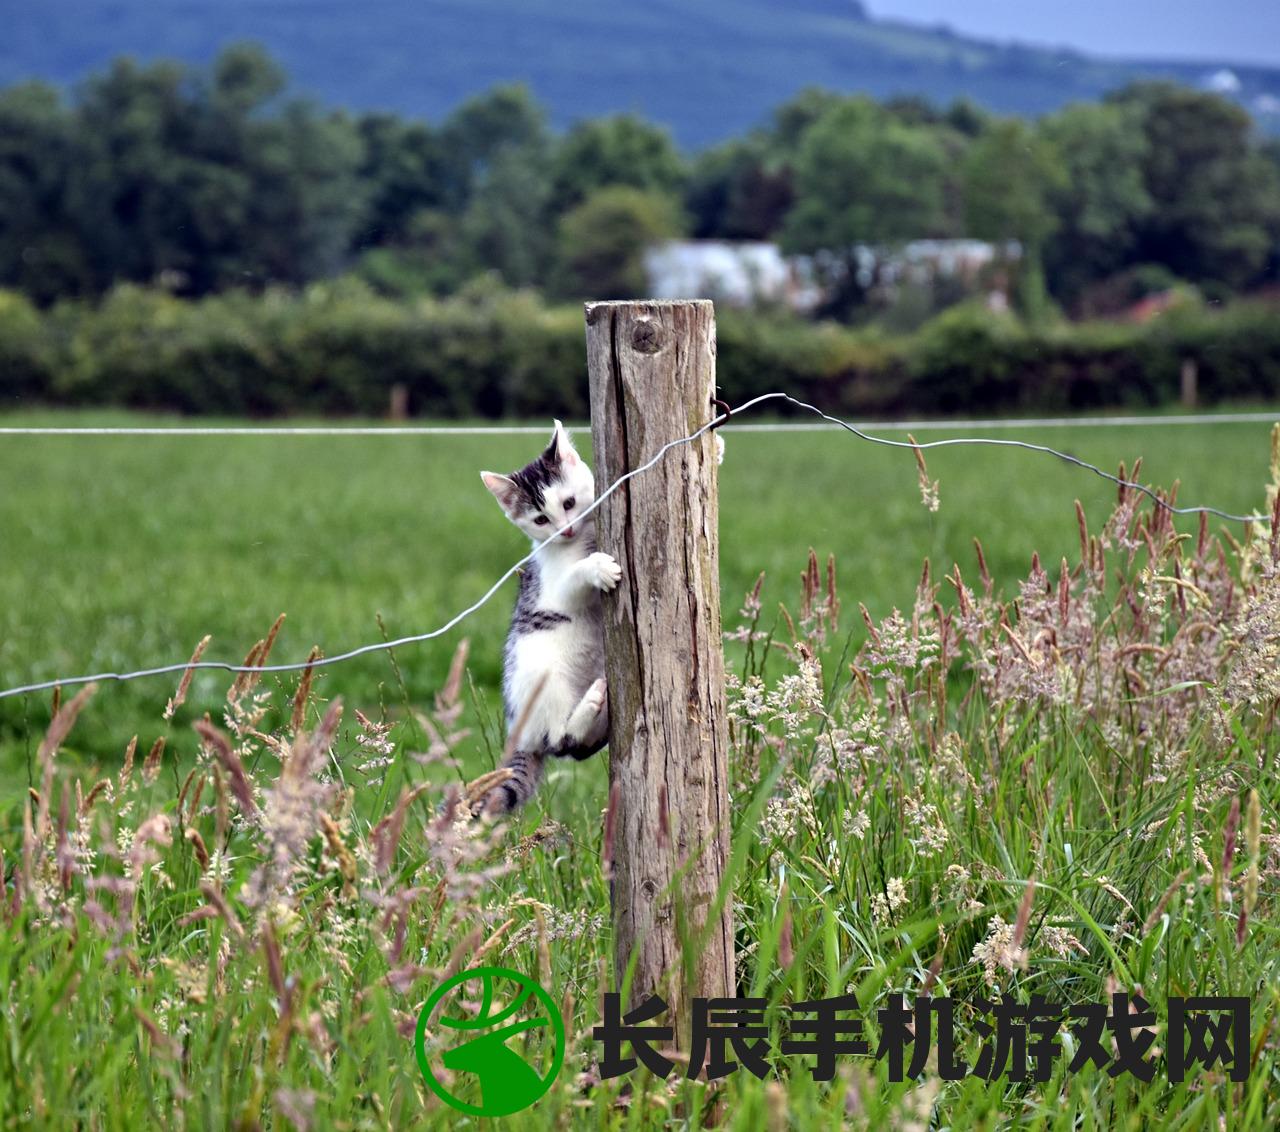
[[753, 273], [736, 273]]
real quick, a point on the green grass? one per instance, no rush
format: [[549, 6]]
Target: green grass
[[121, 553], [127, 1000]]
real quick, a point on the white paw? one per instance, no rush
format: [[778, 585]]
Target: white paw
[[603, 571], [593, 698], [587, 713]]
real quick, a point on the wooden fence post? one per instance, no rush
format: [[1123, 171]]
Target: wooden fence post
[[1188, 380], [652, 371]]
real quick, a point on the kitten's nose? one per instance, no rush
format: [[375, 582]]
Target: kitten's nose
[[568, 532]]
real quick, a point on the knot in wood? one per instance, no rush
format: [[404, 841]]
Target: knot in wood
[[646, 338], [649, 887]]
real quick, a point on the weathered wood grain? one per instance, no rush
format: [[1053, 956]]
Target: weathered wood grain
[[652, 374]]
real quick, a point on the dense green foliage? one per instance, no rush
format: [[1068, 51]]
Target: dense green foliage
[[1066, 795], [339, 348], [201, 180]]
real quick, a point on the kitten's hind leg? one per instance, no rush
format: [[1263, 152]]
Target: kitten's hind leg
[[514, 791], [589, 721]]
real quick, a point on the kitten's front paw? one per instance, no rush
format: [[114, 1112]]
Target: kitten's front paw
[[603, 571]]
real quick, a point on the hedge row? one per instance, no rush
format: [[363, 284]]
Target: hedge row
[[338, 349]]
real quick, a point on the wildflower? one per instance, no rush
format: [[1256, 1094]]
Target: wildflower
[[797, 697], [856, 825], [747, 701], [548, 836], [998, 950], [900, 646], [857, 744], [560, 924], [930, 835], [948, 761], [784, 818], [1060, 941], [886, 905], [928, 488], [374, 736], [1254, 677]]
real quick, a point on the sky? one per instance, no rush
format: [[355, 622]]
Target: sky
[[1245, 31]]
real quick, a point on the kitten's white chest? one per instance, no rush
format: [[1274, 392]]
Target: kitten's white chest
[[551, 665]]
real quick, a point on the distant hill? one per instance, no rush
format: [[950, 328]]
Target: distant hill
[[708, 69]]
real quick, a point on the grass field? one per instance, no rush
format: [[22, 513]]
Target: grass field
[[121, 553], [240, 930]]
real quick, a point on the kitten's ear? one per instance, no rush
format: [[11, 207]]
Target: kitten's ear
[[561, 449], [504, 490]]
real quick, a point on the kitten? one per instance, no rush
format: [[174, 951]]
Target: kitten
[[557, 630]]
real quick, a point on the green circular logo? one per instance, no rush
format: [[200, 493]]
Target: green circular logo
[[489, 1006]]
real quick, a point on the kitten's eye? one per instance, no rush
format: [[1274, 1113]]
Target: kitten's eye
[[541, 520], [568, 503]]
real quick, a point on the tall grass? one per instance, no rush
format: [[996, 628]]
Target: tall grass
[[1065, 790]]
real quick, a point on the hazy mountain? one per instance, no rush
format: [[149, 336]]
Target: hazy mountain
[[706, 68]]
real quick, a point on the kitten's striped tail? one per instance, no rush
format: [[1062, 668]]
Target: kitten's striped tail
[[525, 773]]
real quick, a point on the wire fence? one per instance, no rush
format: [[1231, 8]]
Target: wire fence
[[537, 430], [832, 423]]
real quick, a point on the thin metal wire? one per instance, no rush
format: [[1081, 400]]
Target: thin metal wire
[[416, 638], [281, 430], [991, 440], [537, 430]]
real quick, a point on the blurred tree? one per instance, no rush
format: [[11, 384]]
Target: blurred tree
[[481, 128], [307, 200], [246, 79], [506, 226], [1008, 175], [1100, 199], [202, 179], [1215, 198], [193, 181], [1270, 150], [737, 191], [602, 241], [863, 178], [619, 150], [711, 181], [967, 117], [129, 194], [404, 172], [41, 251], [913, 110], [430, 259], [791, 121]]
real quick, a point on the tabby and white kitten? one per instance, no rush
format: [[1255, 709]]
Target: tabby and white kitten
[[556, 638]]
